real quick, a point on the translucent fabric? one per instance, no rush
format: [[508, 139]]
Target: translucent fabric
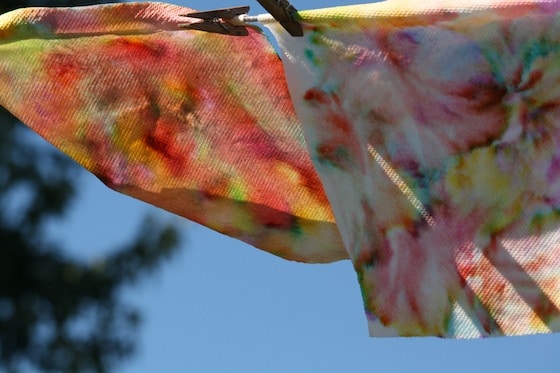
[[429, 131]]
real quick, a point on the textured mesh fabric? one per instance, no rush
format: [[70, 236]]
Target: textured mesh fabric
[[181, 119], [435, 129], [432, 129]]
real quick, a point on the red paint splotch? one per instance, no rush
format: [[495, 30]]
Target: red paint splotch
[[135, 49], [65, 69], [174, 153]]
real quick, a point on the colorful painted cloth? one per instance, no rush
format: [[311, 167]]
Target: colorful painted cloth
[[435, 129], [171, 117]]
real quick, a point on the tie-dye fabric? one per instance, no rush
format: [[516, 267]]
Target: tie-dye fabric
[[181, 119], [435, 129]]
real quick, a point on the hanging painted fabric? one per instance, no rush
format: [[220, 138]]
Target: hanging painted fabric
[[432, 127], [435, 129], [181, 119]]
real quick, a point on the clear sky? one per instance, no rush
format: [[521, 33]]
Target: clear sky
[[223, 306]]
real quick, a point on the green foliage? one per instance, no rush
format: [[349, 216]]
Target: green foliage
[[57, 313]]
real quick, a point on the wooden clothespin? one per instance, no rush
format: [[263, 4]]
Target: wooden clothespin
[[231, 21]]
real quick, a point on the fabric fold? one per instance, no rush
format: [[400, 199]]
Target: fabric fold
[[199, 124], [434, 127]]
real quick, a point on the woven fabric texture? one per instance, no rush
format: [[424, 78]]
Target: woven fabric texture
[[428, 131], [435, 129], [184, 120]]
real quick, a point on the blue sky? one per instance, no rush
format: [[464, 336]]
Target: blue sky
[[223, 306]]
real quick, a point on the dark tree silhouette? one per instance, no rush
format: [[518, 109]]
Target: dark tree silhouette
[[57, 313]]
